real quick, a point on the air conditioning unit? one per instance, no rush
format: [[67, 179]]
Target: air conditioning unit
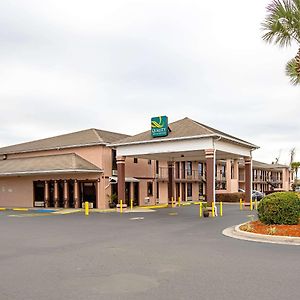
[[114, 172]]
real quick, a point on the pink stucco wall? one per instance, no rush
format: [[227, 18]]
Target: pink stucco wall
[[18, 191]]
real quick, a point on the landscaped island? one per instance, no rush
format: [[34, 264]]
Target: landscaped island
[[279, 214]]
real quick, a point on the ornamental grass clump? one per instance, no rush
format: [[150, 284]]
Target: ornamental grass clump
[[279, 208]]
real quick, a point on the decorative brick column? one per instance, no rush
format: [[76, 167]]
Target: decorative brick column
[[121, 178], [102, 199], [171, 167], [46, 194], [66, 194], [228, 176], [55, 194], [248, 178], [76, 194], [210, 175], [236, 169]]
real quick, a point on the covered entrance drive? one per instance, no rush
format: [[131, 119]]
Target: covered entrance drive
[[188, 140]]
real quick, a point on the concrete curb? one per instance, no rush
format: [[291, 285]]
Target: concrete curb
[[235, 232]]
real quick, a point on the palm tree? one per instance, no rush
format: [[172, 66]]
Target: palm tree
[[295, 166], [282, 27]]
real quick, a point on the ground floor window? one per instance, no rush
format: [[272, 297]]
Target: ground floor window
[[149, 189], [201, 189], [189, 191]]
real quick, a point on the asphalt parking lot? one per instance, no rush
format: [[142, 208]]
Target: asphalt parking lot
[[167, 254]]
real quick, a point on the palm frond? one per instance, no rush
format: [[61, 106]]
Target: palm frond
[[282, 24], [292, 70]]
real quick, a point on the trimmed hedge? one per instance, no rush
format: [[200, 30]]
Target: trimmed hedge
[[230, 197], [279, 208]]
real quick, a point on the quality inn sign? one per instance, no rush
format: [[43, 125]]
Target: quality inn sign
[[159, 126]]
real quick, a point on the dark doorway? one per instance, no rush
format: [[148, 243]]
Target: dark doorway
[[51, 193], [183, 194], [88, 193], [71, 193], [136, 194], [39, 193], [177, 186], [127, 193], [60, 193]]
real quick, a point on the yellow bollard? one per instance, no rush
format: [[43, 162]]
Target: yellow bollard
[[200, 209], [241, 204], [121, 206], [179, 201], [86, 208], [172, 201], [256, 204], [213, 209], [251, 204], [131, 204], [221, 209]]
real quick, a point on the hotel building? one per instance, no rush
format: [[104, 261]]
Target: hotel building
[[192, 161]]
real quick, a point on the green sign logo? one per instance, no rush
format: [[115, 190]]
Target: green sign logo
[[159, 126]]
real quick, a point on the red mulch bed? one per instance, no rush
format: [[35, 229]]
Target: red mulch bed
[[283, 230]]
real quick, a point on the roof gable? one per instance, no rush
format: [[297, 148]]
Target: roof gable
[[183, 128]]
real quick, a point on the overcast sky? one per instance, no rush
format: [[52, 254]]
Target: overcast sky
[[71, 65]]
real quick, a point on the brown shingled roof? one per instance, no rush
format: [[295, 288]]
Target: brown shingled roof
[[181, 129], [63, 163], [261, 165], [86, 137]]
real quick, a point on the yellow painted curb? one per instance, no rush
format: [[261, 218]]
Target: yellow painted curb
[[31, 215], [2, 208], [102, 210], [66, 212], [155, 206], [20, 209], [186, 204]]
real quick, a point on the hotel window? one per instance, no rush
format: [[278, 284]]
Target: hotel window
[[201, 189], [156, 167], [157, 190], [135, 160], [177, 169], [189, 168], [183, 169], [149, 162], [149, 189], [189, 190], [200, 169], [114, 159]]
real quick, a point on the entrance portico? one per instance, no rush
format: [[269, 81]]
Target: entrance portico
[[187, 140]]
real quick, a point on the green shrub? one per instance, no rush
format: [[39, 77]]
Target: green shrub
[[230, 197], [279, 208]]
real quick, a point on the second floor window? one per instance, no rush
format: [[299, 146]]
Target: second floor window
[[188, 168], [114, 159], [200, 169]]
